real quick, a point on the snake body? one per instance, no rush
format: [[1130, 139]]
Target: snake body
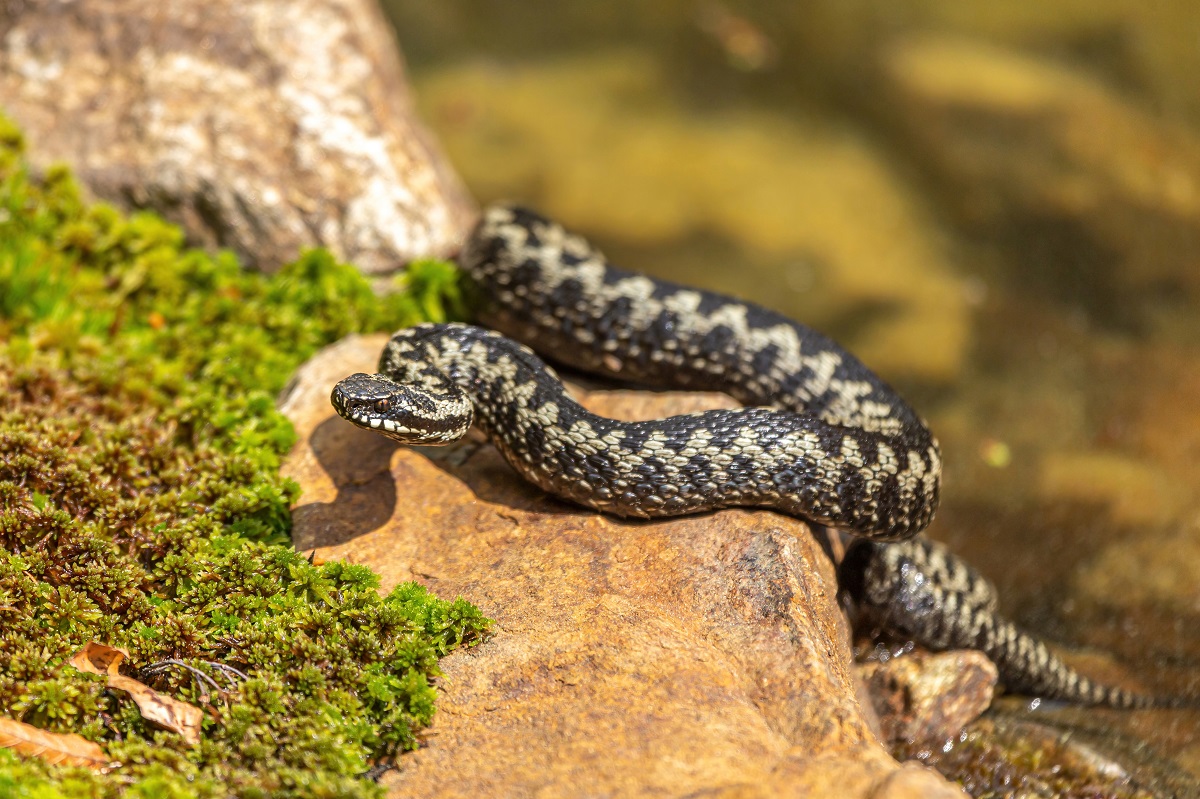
[[821, 437]]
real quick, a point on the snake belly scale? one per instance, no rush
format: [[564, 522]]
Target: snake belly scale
[[820, 437]]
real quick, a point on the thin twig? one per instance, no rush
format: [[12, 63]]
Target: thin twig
[[199, 676]]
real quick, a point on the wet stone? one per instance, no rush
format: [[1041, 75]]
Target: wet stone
[[927, 698]]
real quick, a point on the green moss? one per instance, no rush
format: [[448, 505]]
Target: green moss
[[141, 506]]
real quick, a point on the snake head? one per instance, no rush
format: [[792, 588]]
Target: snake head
[[412, 415]]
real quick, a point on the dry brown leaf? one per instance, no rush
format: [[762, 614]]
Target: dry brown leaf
[[98, 659], [53, 747], [166, 712], [160, 709]]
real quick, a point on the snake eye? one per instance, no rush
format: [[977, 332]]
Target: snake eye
[[381, 406]]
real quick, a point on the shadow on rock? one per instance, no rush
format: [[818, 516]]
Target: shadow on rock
[[359, 465]]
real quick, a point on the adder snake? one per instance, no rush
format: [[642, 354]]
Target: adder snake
[[821, 437]]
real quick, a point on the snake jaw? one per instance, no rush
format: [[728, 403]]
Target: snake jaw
[[400, 412]]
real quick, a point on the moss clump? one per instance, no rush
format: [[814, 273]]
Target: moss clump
[[141, 506]]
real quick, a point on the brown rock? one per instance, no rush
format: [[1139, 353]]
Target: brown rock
[[704, 654], [1052, 161], [259, 126], [926, 697]]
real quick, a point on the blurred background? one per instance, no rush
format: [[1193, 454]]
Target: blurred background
[[996, 205]]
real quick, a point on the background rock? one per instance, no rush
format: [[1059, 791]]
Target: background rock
[[703, 654], [262, 127], [1014, 753]]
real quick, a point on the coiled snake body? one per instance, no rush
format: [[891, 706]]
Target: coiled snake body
[[821, 438]]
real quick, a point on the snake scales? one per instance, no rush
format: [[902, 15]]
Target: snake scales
[[821, 437]]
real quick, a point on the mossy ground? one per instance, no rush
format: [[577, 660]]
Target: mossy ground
[[141, 506]]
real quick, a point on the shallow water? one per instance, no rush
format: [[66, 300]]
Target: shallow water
[[997, 206]]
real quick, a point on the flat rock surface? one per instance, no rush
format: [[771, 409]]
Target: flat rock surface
[[258, 126], [697, 655]]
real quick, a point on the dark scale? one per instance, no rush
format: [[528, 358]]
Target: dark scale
[[829, 442]]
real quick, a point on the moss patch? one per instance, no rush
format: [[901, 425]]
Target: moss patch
[[141, 506]]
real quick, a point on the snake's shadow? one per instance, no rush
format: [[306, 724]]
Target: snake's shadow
[[359, 463]]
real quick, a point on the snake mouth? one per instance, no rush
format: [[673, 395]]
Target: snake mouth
[[368, 421], [379, 423], [358, 415]]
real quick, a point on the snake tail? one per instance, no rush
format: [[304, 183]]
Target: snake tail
[[920, 590]]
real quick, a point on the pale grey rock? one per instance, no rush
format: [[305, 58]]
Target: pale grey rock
[[263, 127]]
